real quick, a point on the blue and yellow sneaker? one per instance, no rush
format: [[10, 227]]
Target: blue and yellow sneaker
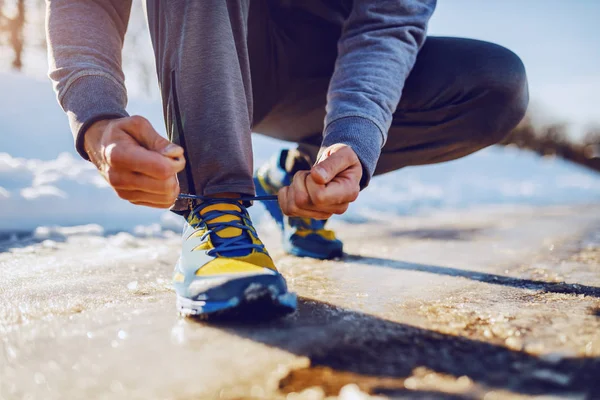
[[303, 237], [224, 267]]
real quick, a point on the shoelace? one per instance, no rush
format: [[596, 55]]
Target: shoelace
[[310, 224], [226, 244], [243, 198]]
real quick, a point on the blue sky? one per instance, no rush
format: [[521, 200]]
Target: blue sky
[[559, 42]]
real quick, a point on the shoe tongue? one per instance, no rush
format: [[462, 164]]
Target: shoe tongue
[[224, 234], [228, 232]]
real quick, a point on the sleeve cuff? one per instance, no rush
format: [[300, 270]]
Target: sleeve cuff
[[363, 136], [89, 99]]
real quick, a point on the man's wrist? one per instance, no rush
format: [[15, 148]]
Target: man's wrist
[[90, 133], [89, 98], [363, 136], [92, 136]]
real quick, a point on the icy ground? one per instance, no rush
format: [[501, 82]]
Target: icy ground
[[494, 303]]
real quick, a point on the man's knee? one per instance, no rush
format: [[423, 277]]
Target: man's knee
[[504, 94]]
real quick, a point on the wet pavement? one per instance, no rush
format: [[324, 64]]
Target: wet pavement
[[488, 303]]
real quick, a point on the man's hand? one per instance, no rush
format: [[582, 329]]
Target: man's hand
[[135, 160], [328, 188]]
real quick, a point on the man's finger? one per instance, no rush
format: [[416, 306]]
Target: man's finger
[[296, 211], [282, 199], [336, 205], [138, 196], [337, 192], [136, 181], [312, 214], [135, 158], [172, 151], [289, 208], [345, 190], [144, 133], [302, 198], [300, 192], [152, 205], [330, 166]]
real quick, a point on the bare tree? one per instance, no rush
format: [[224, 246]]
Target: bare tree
[[22, 29], [552, 140], [12, 30]]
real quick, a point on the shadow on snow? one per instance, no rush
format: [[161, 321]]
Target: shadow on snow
[[549, 287], [344, 341]]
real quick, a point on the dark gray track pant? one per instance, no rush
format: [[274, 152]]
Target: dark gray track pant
[[270, 62]]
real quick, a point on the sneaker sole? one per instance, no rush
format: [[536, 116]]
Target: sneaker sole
[[298, 252], [257, 300]]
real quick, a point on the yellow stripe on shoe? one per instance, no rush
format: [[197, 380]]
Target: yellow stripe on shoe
[[227, 232], [324, 233], [255, 263]]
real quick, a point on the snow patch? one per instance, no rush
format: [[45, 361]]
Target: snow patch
[[124, 240], [172, 222], [148, 231], [63, 191], [57, 233]]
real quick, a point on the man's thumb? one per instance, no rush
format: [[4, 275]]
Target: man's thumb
[[172, 150], [145, 134], [330, 165], [163, 146], [319, 174], [166, 148]]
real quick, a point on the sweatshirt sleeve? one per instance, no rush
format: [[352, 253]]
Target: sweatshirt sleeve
[[85, 40], [376, 52]]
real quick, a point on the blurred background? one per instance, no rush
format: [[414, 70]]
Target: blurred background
[[553, 157]]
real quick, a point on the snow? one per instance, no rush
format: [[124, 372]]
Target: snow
[[63, 191], [44, 183], [60, 233], [495, 176], [124, 240]]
